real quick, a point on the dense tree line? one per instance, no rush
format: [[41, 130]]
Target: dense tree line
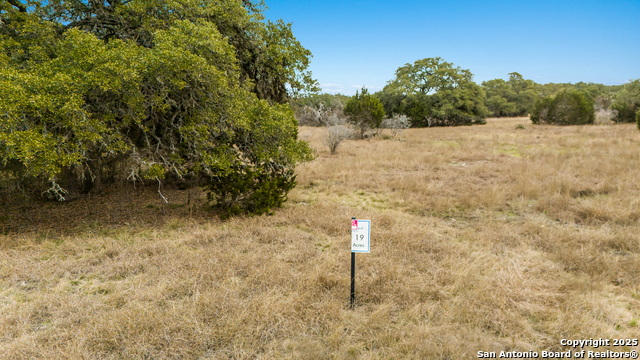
[[188, 91], [433, 92]]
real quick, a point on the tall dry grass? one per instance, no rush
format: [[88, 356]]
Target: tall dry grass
[[484, 238]]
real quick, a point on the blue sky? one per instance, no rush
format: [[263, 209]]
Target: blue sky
[[362, 43]]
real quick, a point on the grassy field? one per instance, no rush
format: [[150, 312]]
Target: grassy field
[[485, 238]]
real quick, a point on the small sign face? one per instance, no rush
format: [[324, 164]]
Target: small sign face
[[360, 236]]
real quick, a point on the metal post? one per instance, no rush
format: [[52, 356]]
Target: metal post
[[353, 276]]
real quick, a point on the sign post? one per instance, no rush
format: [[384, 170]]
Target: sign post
[[360, 242], [353, 279]]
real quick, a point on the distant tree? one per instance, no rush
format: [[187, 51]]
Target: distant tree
[[550, 89], [568, 107], [392, 102], [314, 100], [595, 91], [627, 102], [514, 97], [319, 109], [432, 92], [365, 111], [591, 90], [525, 94], [500, 106]]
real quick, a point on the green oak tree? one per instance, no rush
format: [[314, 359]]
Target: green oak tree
[[433, 92], [188, 91]]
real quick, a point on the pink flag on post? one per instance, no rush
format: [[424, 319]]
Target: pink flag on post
[[354, 224]]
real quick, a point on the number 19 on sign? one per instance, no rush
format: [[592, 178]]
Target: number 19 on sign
[[360, 231]]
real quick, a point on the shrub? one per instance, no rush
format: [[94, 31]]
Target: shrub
[[319, 109], [335, 135], [308, 116], [396, 123], [258, 178], [249, 189], [321, 116], [604, 116], [627, 102], [624, 113], [365, 111], [568, 107]]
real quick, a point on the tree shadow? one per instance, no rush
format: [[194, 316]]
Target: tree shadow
[[115, 206]]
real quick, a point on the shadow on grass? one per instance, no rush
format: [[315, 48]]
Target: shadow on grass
[[114, 207]]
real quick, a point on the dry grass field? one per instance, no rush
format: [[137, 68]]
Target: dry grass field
[[484, 238]]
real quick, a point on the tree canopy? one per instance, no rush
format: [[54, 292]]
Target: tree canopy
[[433, 92], [514, 97], [181, 90]]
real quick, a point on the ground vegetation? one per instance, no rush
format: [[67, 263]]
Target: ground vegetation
[[483, 238]]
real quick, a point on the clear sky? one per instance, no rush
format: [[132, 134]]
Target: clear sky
[[362, 43]]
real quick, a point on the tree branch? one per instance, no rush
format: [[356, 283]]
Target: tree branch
[[16, 3]]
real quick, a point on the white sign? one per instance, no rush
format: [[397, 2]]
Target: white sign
[[360, 234]]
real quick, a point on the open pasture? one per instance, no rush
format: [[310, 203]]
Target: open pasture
[[484, 238]]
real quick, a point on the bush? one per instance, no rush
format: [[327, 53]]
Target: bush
[[335, 135], [396, 123], [308, 116], [365, 111], [319, 110], [258, 178], [627, 102], [568, 107], [253, 190], [624, 113], [604, 116]]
